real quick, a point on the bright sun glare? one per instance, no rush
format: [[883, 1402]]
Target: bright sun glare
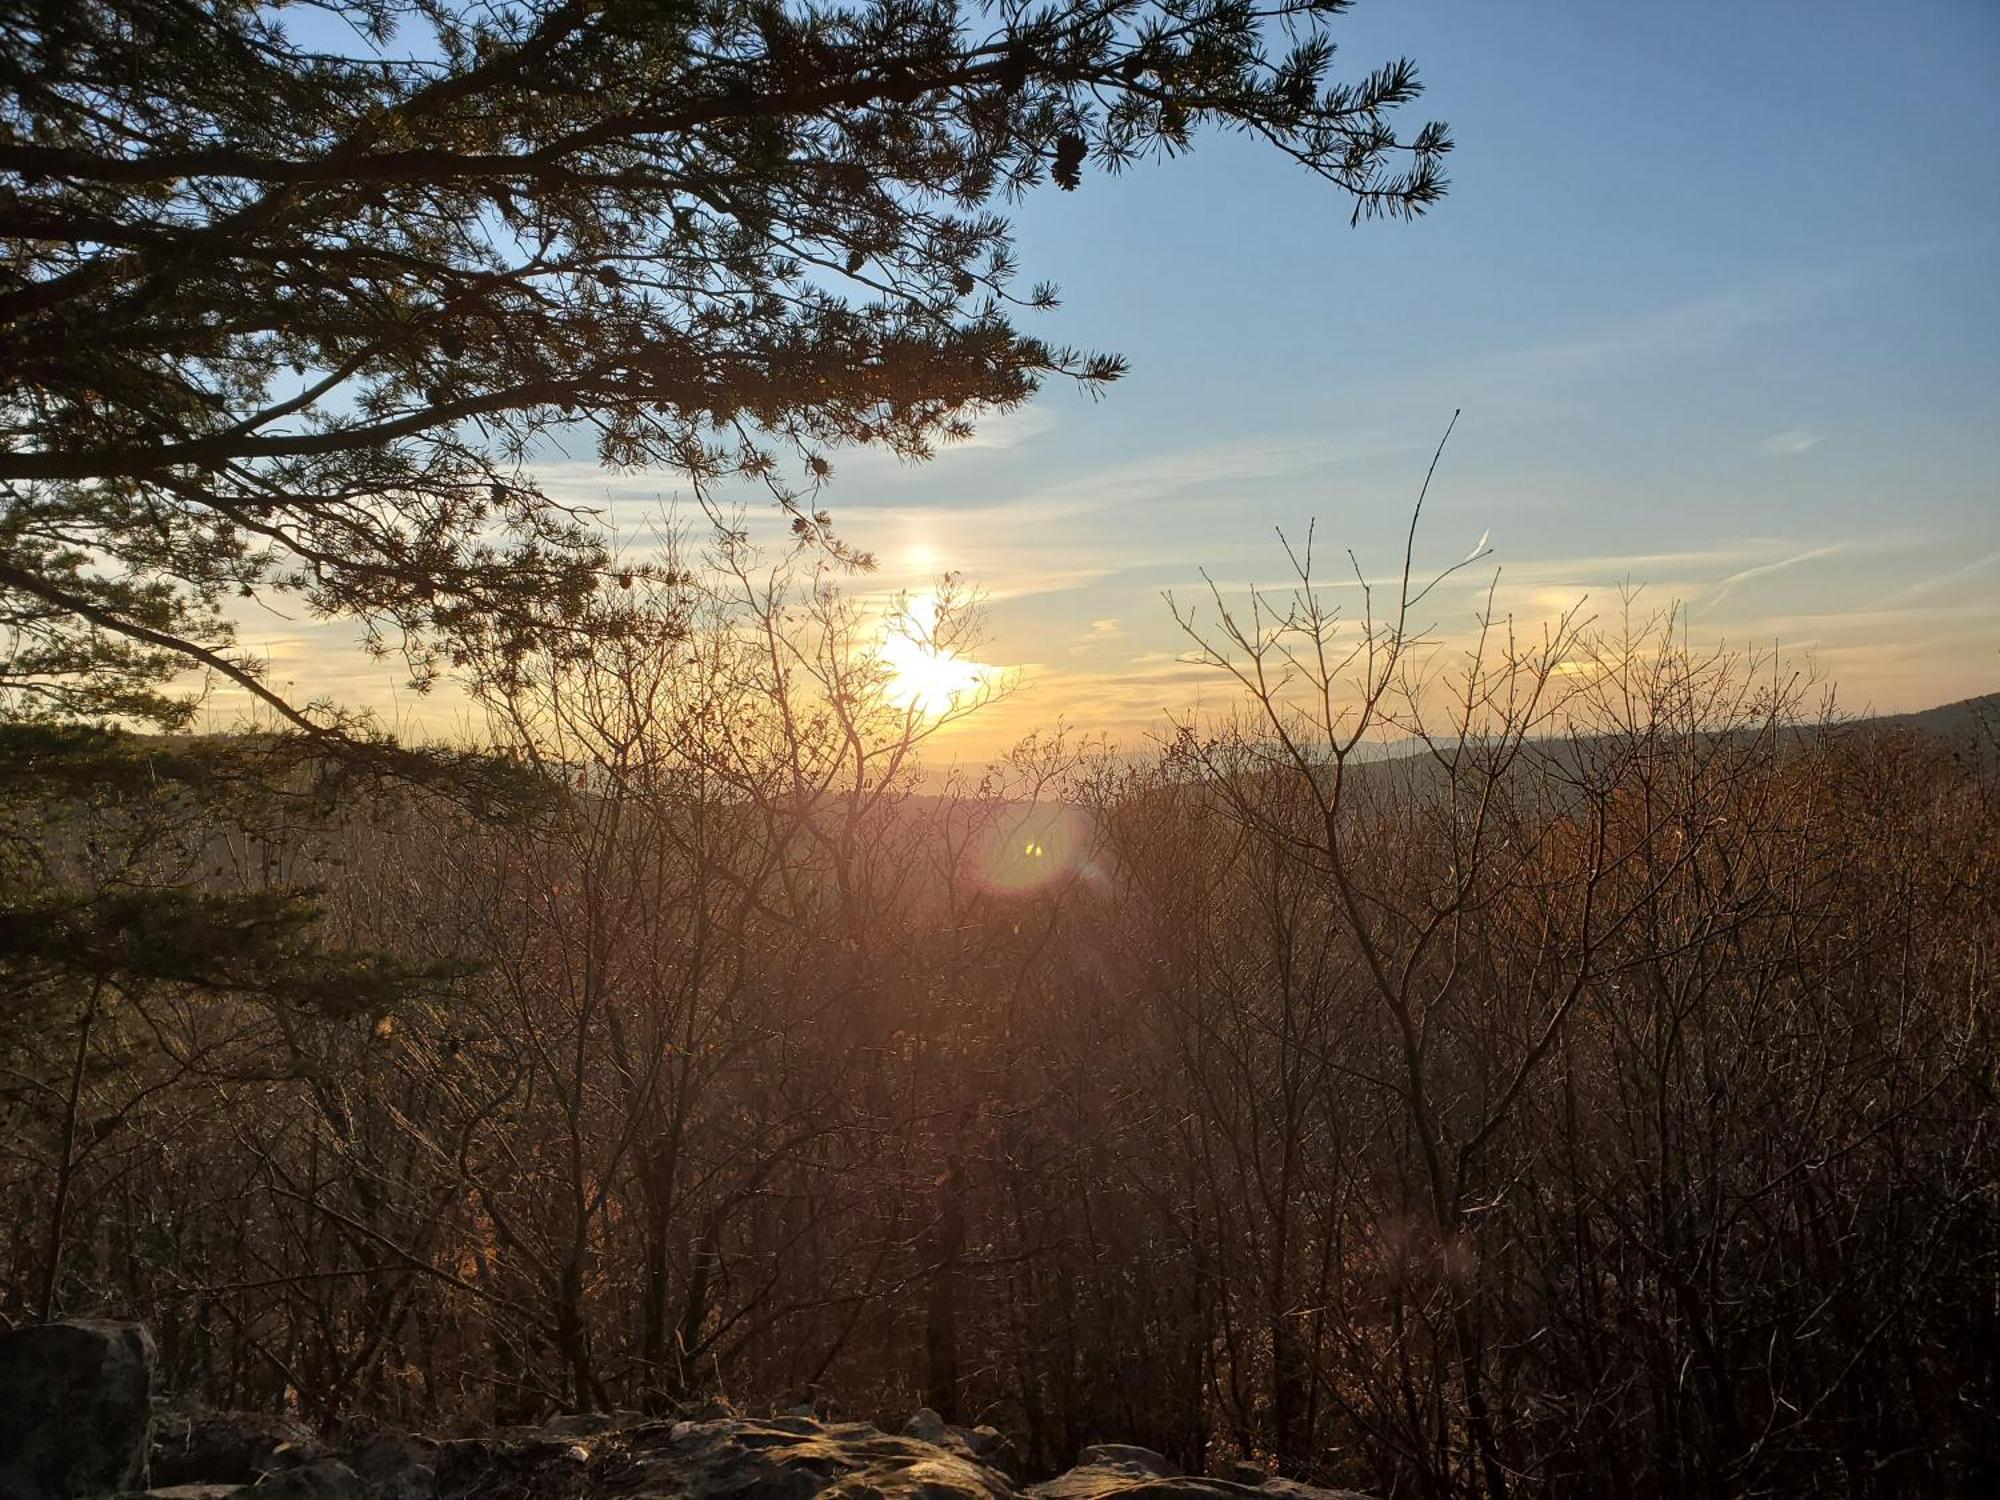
[[923, 676]]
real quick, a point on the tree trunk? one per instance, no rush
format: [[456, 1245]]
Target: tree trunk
[[941, 1317], [66, 1163]]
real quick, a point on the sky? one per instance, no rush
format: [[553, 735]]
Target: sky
[[1716, 289]]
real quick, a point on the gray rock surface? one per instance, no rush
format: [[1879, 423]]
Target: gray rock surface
[[77, 1420], [395, 1466], [76, 1400], [1118, 1469], [982, 1443], [717, 1454], [796, 1458]]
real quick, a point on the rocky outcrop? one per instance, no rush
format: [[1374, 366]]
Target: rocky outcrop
[[779, 1458], [1118, 1469], [75, 1401], [725, 1456]]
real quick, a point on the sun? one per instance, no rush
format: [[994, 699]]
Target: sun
[[923, 676]]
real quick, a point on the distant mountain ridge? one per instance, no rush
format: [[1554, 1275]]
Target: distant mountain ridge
[[1969, 718]]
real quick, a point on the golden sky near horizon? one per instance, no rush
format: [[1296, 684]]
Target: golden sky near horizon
[[1075, 612], [1749, 367]]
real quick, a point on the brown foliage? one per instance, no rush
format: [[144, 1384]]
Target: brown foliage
[[1600, 1095]]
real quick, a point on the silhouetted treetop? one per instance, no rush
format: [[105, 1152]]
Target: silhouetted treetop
[[289, 292]]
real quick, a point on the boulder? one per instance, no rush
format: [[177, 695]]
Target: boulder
[[926, 1426], [773, 1458], [985, 1441], [545, 1467], [394, 1466], [76, 1400], [1107, 1470], [1128, 1458], [982, 1443]]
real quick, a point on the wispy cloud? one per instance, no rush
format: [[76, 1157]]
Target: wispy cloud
[[1100, 631], [1676, 572], [1077, 531], [1792, 440], [1764, 570], [1007, 429], [1691, 326], [1924, 587]]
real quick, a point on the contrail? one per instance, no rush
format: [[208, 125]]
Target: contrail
[[1723, 589], [1928, 585]]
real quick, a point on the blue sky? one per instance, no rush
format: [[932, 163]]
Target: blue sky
[[1714, 285]]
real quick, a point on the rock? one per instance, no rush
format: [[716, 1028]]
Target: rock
[[793, 1458], [75, 1405], [1291, 1489], [548, 1467], [926, 1426], [1127, 1458], [193, 1446], [395, 1466], [1107, 1470], [981, 1443], [982, 1440], [76, 1400], [209, 1455]]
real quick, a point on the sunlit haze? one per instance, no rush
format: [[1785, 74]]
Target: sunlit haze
[[1714, 286]]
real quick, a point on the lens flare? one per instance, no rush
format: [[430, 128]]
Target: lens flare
[[1028, 847]]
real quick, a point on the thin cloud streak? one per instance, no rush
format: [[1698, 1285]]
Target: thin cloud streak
[[1938, 581], [1793, 440], [1764, 570]]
